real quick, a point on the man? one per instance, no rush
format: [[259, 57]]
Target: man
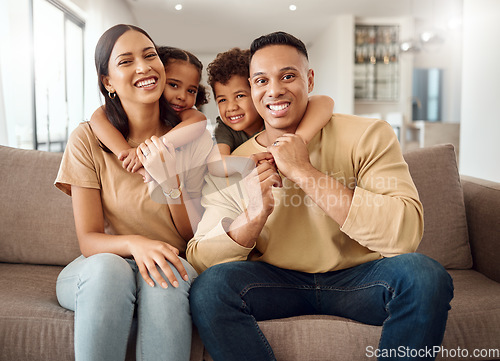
[[332, 224]]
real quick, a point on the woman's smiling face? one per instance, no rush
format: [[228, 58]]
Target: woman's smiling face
[[136, 73]]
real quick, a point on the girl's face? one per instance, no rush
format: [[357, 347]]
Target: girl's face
[[235, 105], [182, 83], [136, 73]]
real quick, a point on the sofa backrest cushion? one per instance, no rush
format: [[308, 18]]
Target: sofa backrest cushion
[[36, 219], [37, 225], [435, 173]]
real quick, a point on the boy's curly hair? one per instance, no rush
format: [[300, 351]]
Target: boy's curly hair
[[227, 64], [167, 53]]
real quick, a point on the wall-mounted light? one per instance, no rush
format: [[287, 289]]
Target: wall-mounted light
[[431, 37], [292, 7], [178, 7], [409, 46]]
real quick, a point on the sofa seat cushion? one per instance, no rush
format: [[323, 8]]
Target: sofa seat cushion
[[33, 326], [472, 324], [474, 319]]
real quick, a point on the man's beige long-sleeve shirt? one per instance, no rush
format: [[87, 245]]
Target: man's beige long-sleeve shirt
[[385, 218]]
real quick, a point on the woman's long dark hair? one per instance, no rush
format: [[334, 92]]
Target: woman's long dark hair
[[114, 108]]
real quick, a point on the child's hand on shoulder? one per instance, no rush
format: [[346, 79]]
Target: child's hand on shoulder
[[130, 160]]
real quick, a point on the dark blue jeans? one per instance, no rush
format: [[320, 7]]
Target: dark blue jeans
[[409, 295]]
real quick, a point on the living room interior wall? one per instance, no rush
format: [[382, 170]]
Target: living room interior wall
[[330, 57], [480, 120], [444, 53]]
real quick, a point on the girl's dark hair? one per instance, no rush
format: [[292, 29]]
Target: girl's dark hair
[[167, 53], [113, 107], [278, 38], [226, 65]]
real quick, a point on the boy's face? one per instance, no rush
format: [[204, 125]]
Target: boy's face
[[281, 81], [235, 105]]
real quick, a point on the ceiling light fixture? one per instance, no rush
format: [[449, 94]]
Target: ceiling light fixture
[[292, 7], [178, 7], [429, 40]]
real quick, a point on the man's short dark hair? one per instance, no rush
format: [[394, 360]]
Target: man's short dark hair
[[278, 38]]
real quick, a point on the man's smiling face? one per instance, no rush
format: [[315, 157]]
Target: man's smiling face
[[281, 80]]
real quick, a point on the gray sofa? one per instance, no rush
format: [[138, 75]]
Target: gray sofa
[[37, 238]]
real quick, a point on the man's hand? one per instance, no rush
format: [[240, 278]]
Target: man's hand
[[246, 228], [259, 184], [291, 156]]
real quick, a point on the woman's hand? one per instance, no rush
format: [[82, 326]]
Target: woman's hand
[[159, 161], [149, 254]]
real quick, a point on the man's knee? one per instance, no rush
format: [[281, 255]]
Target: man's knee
[[215, 286], [426, 278]]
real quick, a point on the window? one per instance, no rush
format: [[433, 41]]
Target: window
[[58, 74]]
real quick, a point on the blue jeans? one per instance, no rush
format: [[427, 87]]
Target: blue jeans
[[106, 291], [409, 295]]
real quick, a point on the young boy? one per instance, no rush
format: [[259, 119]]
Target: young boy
[[239, 121]]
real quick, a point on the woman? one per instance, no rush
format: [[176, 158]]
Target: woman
[[130, 266]]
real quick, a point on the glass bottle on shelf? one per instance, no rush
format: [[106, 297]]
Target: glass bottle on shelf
[[376, 71]]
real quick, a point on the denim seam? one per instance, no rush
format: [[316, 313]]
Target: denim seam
[[249, 287], [245, 290], [76, 313], [259, 331], [360, 287], [140, 337], [317, 294], [393, 294], [264, 339]]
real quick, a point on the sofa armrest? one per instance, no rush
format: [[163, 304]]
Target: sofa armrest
[[482, 206]]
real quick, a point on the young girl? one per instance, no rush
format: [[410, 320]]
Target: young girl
[[184, 94], [228, 77]]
